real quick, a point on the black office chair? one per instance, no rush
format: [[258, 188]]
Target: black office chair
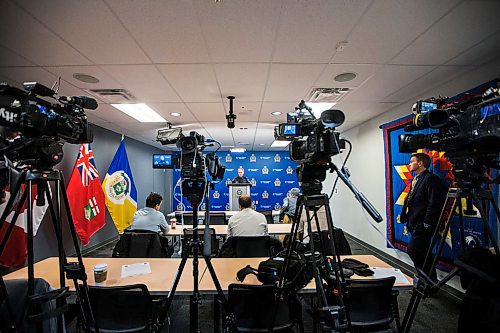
[[372, 304], [218, 218], [188, 217], [269, 216], [342, 244], [125, 309], [142, 244], [253, 306], [188, 234], [250, 247]]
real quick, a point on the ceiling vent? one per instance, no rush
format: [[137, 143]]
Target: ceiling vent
[[327, 95], [113, 96]]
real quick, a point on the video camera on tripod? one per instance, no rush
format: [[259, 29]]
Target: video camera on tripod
[[36, 129], [468, 131]]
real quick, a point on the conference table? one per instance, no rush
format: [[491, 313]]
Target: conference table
[[163, 271], [273, 229]]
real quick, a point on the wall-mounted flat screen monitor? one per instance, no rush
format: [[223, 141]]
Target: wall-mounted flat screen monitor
[[163, 161]]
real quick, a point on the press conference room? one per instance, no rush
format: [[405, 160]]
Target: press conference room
[[249, 166]]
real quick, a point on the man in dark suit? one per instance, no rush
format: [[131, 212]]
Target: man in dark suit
[[240, 179], [421, 210]]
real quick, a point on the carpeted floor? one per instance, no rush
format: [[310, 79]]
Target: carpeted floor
[[436, 314]]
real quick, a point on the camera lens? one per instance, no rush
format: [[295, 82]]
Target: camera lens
[[187, 144]]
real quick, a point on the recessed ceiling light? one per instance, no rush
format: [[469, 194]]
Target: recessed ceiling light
[[280, 144], [276, 113], [140, 112], [175, 114], [262, 144], [85, 78], [344, 77], [237, 150]]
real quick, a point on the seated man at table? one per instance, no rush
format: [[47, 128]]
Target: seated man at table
[[150, 218], [247, 222]]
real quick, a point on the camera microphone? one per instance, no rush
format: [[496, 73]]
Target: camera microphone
[[82, 101]]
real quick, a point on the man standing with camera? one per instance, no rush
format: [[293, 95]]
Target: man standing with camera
[[421, 210]]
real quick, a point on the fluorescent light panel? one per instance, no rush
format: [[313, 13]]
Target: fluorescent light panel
[[280, 144], [141, 112], [238, 150]]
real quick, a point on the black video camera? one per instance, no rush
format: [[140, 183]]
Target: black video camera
[[468, 131], [34, 129], [312, 139]]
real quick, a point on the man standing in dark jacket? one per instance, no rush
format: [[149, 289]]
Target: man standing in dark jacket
[[421, 210]]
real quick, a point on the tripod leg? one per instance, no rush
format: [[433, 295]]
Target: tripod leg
[[220, 293], [10, 204], [13, 222], [485, 219]]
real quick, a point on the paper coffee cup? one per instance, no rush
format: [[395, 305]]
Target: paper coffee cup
[[173, 222], [100, 274]]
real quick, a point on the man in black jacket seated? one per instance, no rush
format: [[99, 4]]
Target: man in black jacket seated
[[421, 210]]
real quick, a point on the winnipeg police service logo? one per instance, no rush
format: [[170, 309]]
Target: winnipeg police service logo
[[239, 192], [253, 182], [277, 158], [265, 170], [277, 182], [216, 195], [253, 158], [265, 195], [228, 181], [203, 206], [227, 206], [180, 206], [277, 206], [118, 187], [289, 170], [229, 158]]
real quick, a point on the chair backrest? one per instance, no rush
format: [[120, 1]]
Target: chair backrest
[[253, 305], [122, 308], [140, 244], [371, 302], [188, 217], [247, 247], [342, 244], [188, 233], [269, 215], [218, 218]]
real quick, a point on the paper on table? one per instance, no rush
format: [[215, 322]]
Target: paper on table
[[141, 268], [382, 272]]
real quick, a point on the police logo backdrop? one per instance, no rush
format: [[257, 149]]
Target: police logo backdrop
[[272, 175]]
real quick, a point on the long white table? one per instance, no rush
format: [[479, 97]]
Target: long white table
[[273, 229]]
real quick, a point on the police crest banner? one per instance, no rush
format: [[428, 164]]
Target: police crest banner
[[120, 191]]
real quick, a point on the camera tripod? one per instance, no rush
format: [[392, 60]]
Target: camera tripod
[[474, 196], [195, 190], [74, 270]]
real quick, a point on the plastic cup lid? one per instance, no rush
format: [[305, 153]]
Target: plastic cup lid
[[100, 267]]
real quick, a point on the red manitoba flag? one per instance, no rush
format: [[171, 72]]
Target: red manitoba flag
[[86, 198]]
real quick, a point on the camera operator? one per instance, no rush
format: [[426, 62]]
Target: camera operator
[[421, 210]]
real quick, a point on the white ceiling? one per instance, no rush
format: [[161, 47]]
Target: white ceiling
[[188, 56]]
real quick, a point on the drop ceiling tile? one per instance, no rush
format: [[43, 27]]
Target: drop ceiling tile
[[310, 30], [426, 83], [244, 81], [363, 72], [10, 58], [91, 28], [239, 30], [207, 112], [455, 33], [165, 110], [291, 82], [144, 82], [193, 82], [388, 27], [362, 111], [168, 31], [283, 107], [23, 34], [113, 115], [66, 73], [386, 81], [245, 111], [486, 50]]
